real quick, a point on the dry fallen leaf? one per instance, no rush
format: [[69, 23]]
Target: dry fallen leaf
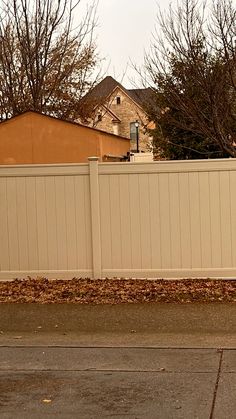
[[117, 291]]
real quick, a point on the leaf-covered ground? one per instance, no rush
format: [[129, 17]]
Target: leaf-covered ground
[[116, 291]]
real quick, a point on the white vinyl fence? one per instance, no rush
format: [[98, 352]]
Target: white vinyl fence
[[162, 219]]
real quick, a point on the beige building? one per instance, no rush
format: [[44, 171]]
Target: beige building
[[121, 111], [35, 138]]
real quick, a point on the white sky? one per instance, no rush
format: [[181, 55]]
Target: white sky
[[124, 30]]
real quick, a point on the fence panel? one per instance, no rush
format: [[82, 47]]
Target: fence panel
[[163, 219], [45, 221], [169, 219]]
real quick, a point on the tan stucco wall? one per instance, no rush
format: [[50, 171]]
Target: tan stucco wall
[[34, 138]]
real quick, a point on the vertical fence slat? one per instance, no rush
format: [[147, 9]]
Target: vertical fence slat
[[114, 196], [165, 220], [51, 222], [155, 230], [87, 222], [135, 222], [233, 215], [31, 208], [205, 220], [72, 250], [80, 227], [195, 223], [145, 220], [41, 222], [186, 255], [175, 221], [4, 239], [215, 219], [225, 219], [95, 217], [22, 223], [12, 224], [125, 222], [61, 223], [105, 213]]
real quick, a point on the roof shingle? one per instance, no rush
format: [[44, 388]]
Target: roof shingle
[[103, 89]]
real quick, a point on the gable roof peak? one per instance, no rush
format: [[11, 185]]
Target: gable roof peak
[[104, 88], [110, 79], [108, 85]]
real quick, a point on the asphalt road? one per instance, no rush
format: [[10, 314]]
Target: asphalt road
[[152, 361]]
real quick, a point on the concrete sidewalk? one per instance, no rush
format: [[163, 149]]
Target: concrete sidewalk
[[130, 361], [44, 382], [154, 325]]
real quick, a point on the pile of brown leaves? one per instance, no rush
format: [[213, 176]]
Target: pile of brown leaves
[[116, 291]]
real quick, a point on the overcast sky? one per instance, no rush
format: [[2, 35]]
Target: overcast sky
[[124, 31]]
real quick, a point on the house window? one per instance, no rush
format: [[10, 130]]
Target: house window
[[99, 117], [133, 131], [118, 100]]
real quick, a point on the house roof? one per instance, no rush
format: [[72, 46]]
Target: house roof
[[103, 89], [61, 120], [141, 96]]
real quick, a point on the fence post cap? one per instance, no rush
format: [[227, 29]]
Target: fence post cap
[[93, 158]]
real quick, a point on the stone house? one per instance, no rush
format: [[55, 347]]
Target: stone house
[[120, 111]]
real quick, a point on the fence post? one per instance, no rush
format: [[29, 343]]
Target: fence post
[[95, 217]]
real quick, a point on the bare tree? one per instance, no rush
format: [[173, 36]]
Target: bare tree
[[47, 56], [223, 31], [192, 68]]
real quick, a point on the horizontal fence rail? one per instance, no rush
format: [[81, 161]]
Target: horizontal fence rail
[[157, 220]]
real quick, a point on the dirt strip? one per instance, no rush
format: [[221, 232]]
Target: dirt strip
[[117, 291]]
